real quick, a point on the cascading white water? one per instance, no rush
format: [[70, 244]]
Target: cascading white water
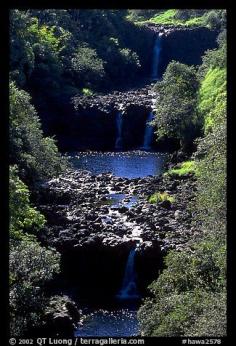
[[156, 57], [129, 290], [119, 125], [148, 133]]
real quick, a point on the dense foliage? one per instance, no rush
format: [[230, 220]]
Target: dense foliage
[[213, 19], [31, 265], [52, 47], [189, 297], [176, 104], [33, 159], [56, 54], [87, 66], [212, 149], [37, 156], [187, 293], [23, 217]]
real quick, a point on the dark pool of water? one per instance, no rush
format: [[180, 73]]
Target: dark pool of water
[[132, 164], [115, 323]]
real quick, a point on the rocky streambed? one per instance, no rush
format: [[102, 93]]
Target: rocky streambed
[[95, 220]]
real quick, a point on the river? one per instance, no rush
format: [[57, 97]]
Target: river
[[120, 319]]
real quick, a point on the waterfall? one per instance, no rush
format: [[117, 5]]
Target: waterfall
[[148, 133], [119, 125], [129, 290], [156, 57]]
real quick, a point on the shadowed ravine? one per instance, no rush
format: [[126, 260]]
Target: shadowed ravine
[[107, 227], [98, 219], [117, 170]]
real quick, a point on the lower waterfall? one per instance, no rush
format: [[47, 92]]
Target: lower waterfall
[[129, 290]]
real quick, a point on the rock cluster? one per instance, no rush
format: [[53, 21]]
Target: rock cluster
[[96, 234], [117, 100], [61, 317]]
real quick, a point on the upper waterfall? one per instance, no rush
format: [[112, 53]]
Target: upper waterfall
[[156, 57]]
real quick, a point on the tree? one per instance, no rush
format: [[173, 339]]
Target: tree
[[21, 53], [37, 156], [187, 14], [31, 266], [87, 66], [212, 149], [189, 297], [23, 217], [176, 103], [216, 19], [190, 289]]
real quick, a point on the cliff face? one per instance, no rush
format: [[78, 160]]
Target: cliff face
[[186, 45], [97, 118], [97, 130]]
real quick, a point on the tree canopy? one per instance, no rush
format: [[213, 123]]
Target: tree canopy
[[176, 114]]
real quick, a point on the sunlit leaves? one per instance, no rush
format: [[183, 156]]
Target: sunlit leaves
[[176, 104], [87, 65], [23, 217], [189, 297], [37, 157]]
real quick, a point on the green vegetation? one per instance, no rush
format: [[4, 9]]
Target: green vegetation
[[172, 17], [36, 156], [166, 17], [191, 289], [212, 149], [87, 66], [33, 159], [212, 95], [23, 217], [183, 168], [160, 197], [176, 105], [69, 49], [87, 92], [138, 15], [213, 19], [189, 296], [30, 264], [56, 54]]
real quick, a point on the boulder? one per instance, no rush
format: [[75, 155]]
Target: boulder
[[61, 316]]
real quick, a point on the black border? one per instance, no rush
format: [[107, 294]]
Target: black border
[[4, 176]]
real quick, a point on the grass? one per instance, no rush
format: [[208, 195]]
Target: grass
[[212, 96], [87, 92], [168, 17], [185, 168], [160, 197]]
